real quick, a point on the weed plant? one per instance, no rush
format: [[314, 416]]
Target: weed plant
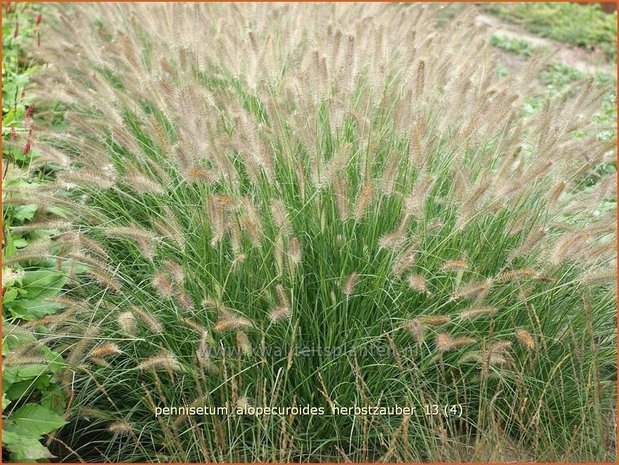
[[33, 403], [323, 205]]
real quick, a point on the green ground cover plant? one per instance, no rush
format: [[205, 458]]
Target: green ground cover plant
[[303, 214], [32, 399], [520, 47], [586, 26]]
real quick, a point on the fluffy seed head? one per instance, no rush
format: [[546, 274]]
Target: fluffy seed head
[[603, 276], [280, 313], [203, 352], [120, 427], [525, 338], [176, 271], [392, 240], [556, 191], [416, 201], [127, 323], [513, 275], [477, 312], [197, 173], [418, 283], [444, 342], [463, 341], [363, 200], [105, 278], [243, 343], [483, 358], [105, 350], [280, 217], [145, 240], [568, 247], [406, 259], [164, 360], [416, 329], [161, 283], [350, 284], [472, 290], [294, 251], [38, 250], [184, 301], [148, 319], [434, 320], [231, 321], [500, 346], [142, 183], [252, 223], [282, 296], [454, 265]]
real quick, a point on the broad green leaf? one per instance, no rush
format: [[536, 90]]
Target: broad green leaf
[[43, 283], [9, 437], [55, 399], [55, 359], [37, 420], [29, 309], [11, 375], [25, 212], [17, 390], [20, 243], [14, 338], [9, 296], [5, 401], [29, 449], [9, 247]]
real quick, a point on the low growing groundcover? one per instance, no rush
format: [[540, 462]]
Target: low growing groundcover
[[317, 233]]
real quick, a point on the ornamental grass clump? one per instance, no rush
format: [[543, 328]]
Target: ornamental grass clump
[[323, 205]]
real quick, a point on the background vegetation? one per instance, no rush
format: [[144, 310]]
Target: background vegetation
[[32, 402], [586, 26]]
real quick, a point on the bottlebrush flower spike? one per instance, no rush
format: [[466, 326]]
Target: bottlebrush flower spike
[[472, 289], [350, 284], [127, 323], [454, 265], [164, 360], [525, 338], [444, 342], [149, 320], [418, 283], [477, 312], [416, 328], [105, 350], [161, 283], [120, 427], [434, 320], [243, 343]]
